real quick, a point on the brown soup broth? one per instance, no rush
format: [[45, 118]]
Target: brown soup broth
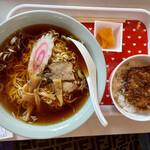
[[47, 116]]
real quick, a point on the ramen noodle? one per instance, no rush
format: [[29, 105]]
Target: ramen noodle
[[42, 80]]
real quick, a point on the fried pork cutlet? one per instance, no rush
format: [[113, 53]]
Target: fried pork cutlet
[[137, 87]]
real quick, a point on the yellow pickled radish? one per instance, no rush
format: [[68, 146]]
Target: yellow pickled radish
[[105, 38]]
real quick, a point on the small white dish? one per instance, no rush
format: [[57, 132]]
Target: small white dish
[[117, 29], [138, 115]]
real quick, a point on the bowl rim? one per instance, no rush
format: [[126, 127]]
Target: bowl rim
[[78, 121], [123, 112]]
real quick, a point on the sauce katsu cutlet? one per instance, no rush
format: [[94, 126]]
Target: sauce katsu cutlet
[[137, 87]]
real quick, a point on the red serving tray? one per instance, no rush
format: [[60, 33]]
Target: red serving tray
[[134, 42]]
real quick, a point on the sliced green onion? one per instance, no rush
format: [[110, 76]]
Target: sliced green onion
[[65, 38], [80, 74]]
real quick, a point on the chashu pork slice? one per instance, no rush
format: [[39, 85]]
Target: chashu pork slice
[[69, 87], [61, 70]]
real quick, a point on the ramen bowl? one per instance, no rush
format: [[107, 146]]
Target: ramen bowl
[[117, 82], [83, 114]]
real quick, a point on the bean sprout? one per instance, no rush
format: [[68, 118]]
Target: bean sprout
[[7, 56], [2, 66], [13, 40], [1, 87]]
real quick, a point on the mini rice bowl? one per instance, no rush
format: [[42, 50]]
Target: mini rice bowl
[[54, 18], [116, 87]]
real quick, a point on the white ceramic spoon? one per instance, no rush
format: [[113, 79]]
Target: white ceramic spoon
[[91, 79]]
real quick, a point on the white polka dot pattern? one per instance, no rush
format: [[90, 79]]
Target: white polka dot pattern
[[134, 42]]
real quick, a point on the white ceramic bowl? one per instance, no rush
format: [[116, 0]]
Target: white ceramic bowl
[[76, 28], [138, 116]]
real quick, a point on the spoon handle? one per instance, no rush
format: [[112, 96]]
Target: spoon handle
[[91, 79], [94, 98]]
